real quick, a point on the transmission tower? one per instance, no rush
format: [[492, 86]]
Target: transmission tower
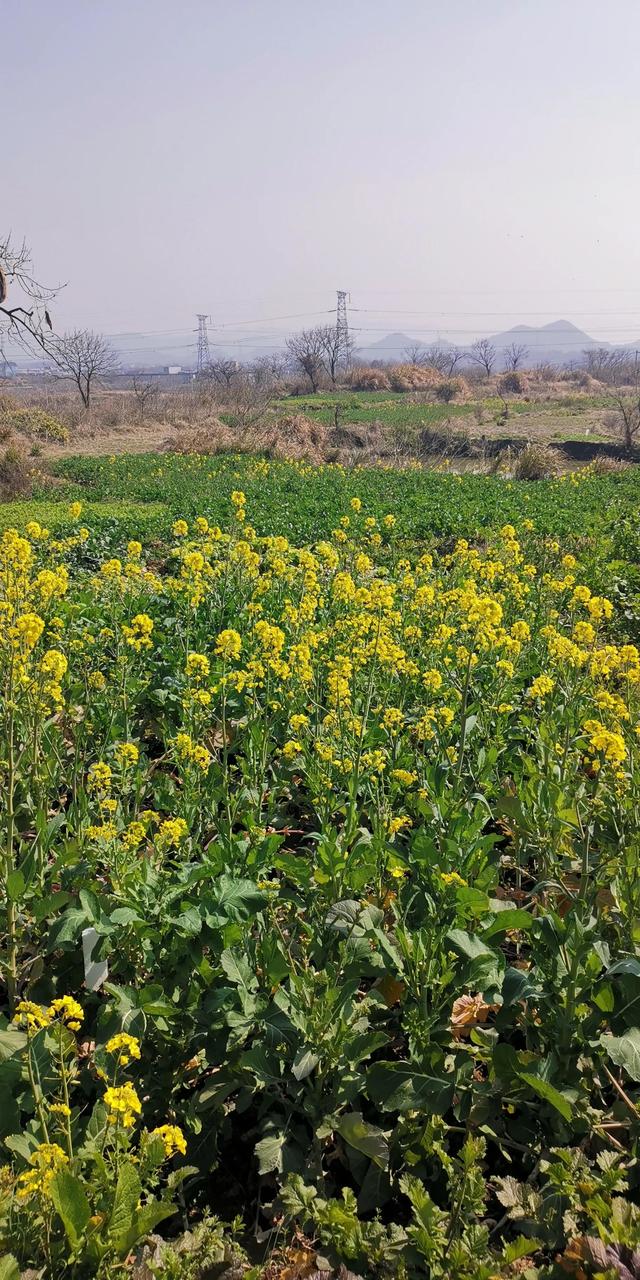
[[342, 328], [204, 355]]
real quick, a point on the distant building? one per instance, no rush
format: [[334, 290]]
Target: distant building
[[173, 368]]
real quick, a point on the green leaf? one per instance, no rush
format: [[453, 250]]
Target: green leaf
[[142, 1223], [70, 1201], [518, 1249], [125, 1203], [548, 1093], [469, 945], [512, 918], [304, 1063], [238, 970], [24, 1145], [372, 1142], [12, 1041], [9, 1269], [269, 1153], [624, 1051], [67, 928], [15, 885], [239, 899], [399, 1087]]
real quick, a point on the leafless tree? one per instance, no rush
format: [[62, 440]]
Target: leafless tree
[[514, 355], [247, 404], [145, 392], [483, 353], [306, 350], [24, 301], [271, 369], [335, 350], [224, 371], [416, 353], [444, 359], [85, 357], [623, 394], [611, 365]]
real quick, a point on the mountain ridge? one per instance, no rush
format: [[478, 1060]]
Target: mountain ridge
[[558, 342]]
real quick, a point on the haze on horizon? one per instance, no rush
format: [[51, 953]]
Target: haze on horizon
[[459, 168]]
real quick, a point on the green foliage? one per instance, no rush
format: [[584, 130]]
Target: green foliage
[[354, 824]]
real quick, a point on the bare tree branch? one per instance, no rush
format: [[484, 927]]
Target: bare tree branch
[[27, 319], [514, 355], [483, 353], [85, 357]]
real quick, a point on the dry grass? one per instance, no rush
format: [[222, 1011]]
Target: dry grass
[[536, 462], [295, 437], [412, 377]]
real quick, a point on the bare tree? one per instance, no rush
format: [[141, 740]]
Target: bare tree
[[85, 357], [26, 316], [611, 365], [416, 353], [145, 393], [306, 350], [623, 395], [483, 353], [224, 371], [335, 350], [514, 355], [271, 369], [444, 359]]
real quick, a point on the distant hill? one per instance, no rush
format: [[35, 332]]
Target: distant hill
[[558, 342]]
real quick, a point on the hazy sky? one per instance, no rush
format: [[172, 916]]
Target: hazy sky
[[458, 165]]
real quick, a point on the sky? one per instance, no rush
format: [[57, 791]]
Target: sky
[[458, 167]]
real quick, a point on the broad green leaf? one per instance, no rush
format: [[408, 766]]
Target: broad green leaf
[[238, 970], [399, 1086], [70, 1201], [304, 1063], [513, 918], [368, 1139], [15, 885], [125, 1203], [624, 1051], [269, 1153], [9, 1269], [142, 1223], [519, 1248], [12, 1041], [548, 1093], [469, 945]]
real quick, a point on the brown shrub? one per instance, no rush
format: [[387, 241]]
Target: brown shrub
[[412, 377], [15, 474], [536, 462], [295, 437], [452, 389], [603, 465], [368, 379], [513, 382]]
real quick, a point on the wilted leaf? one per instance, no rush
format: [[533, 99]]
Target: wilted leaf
[[469, 1012]]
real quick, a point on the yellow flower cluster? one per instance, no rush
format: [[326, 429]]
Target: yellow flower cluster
[[123, 1104], [172, 1139], [45, 1161], [125, 1046], [35, 1016]]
